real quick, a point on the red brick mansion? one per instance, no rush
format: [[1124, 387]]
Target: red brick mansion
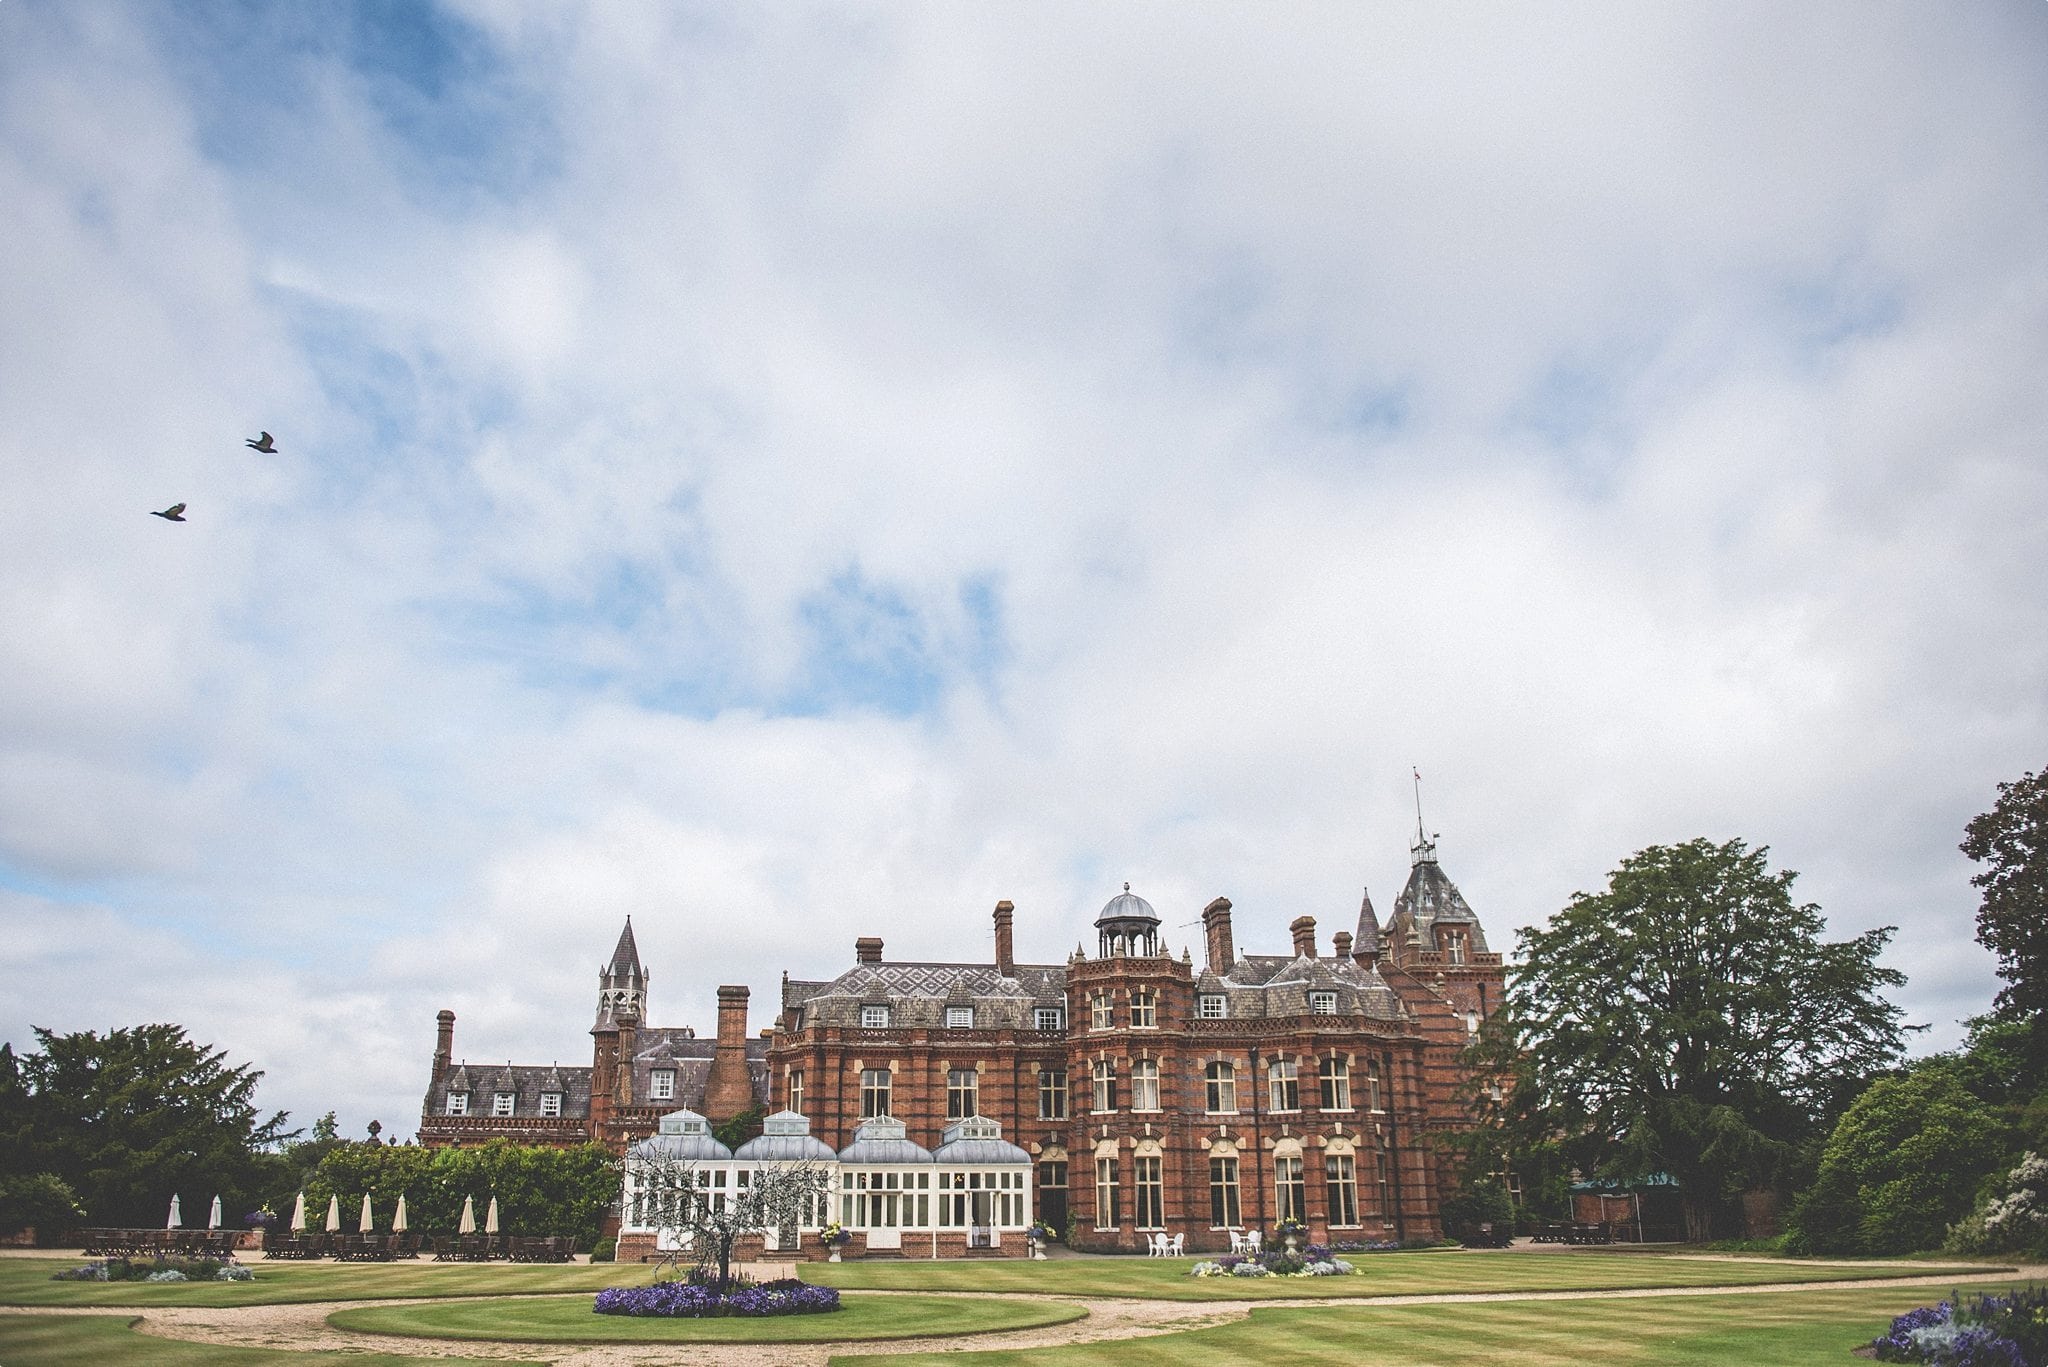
[[1120, 1095]]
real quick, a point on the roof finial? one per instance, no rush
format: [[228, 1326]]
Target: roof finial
[[1127, 886], [1423, 851]]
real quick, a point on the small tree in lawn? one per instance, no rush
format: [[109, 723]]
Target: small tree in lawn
[[677, 1197]]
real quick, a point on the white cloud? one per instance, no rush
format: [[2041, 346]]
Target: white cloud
[[1631, 420]]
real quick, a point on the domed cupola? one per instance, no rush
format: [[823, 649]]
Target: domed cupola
[[1128, 927]]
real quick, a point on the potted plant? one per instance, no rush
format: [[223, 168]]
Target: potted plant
[[835, 1237], [1039, 1235], [1290, 1232]]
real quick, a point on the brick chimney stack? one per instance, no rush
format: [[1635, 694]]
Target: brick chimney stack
[[868, 949], [1006, 954], [444, 1046], [729, 1090], [1216, 927], [1341, 943], [1304, 928]]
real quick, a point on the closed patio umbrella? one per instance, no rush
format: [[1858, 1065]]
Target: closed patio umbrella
[[213, 1216], [176, 1219], [334, 1214], [364, 1225], [398, 1218], [468, 1225], [491, 1218], [298, 1225]]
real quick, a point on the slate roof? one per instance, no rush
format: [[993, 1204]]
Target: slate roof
[[679, 1049], [918, 994], [1278, 985], [1431, 899], [1366, 939], [525, 1081]]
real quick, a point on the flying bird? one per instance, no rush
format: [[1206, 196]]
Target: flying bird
[[262, 443], [174, 513]]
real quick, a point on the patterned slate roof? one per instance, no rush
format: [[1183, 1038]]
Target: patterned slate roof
[[526, 1083], [918, 994], [679, 1050], [1431, 898], [1278, 985]]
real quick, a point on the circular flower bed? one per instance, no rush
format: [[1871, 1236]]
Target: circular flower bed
[[697, 1300], [1314, 1261]]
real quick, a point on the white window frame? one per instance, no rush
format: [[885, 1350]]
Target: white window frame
[[661, 1085], [1144, 1080], [1144, 1010], [874, 1018], [1211, 1006], [1322, 1003], [550, 1104], [458, 1103], [1048, 1018], [959, 1018], [504, 1103]]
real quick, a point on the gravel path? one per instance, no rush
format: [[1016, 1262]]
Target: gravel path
[[302, 1328]]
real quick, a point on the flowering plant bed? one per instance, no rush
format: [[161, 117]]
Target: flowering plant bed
[[1315, 1261], [704, 1300], [2009, 1330], [159, 1270]]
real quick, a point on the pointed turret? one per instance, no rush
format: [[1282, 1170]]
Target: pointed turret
[[1365, 941], [1431, 914], [622, 985]]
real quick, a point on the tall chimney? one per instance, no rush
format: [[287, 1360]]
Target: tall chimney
[[1006, 954], [1216, 927], [1304, 928], [868, 949], [444, 1046], [729, 1090], [1341, 943]]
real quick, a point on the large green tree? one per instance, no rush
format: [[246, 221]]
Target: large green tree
[[1902, 1164], [1690, 1020], [132, 1117], [2011, 841]]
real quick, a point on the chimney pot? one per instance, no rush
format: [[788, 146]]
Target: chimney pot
[[1304, 928], [1341, 941], [1216, 930], [1006, 954], [868, 949]]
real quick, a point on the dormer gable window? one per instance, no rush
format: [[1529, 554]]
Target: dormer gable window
[[502, 1103], [874, 1018], [458, 1103], [551, 1103], [1047, 1018], [662, 1087], [1322, 1003], [1211, 1007], [1454, 942], [959, 1018]]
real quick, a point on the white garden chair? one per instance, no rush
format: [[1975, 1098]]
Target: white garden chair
[[1177, 1246], [1252, 1239], [1156, 1248], [1237, 1244]]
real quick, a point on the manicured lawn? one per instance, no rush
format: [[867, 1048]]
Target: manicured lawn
[[1769, 1329], [107, 1341], [1380, 1274], [571, 1320], [26, 1281]]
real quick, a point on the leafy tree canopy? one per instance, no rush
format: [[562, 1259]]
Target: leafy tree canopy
[[1691, 1020], [1903, 1163], [2011, 840], [129, 1118]]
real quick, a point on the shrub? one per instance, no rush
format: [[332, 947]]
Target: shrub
[[2014, 1219], [605, 1251]]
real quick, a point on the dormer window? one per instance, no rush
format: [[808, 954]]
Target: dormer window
[[959, 1018], [663, 1085], [1322, 1003], [1210, 1007], [458, 1103], [1454, 944], [502, 1102], [874, 1018], [1047, 1018], [551, 1103], [1144, 1011]]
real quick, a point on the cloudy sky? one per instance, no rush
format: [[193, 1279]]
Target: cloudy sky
[[790, 473]]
